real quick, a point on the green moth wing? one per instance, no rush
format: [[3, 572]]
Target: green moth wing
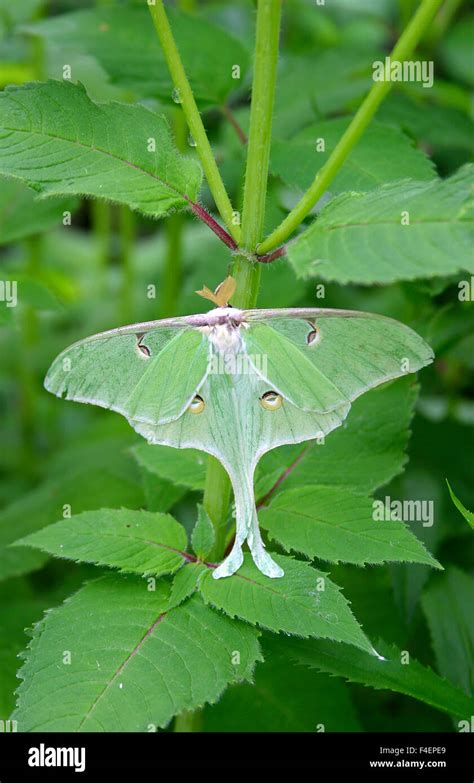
[[320, 359], [151, 376]]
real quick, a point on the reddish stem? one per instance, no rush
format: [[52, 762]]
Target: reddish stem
[[267, 258], [283, 477], [230, 117], [204, 215]]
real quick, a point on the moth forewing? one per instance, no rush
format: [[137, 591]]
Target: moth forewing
[[356, 351], [171, 380], [147, 374]]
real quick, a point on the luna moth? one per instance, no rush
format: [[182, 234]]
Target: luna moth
[[237, 383]]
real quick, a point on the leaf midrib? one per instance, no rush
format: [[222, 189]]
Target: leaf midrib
[[298, 601], [102, 152], [395, 222], [340, 526], [121, 668]]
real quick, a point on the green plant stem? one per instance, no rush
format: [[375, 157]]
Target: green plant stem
[[442, 22], [246, 272], [193, 117], [26, 375], [261, 114], [127, 239], [247, 276], [406, 44], [173, 266], [216, 502], [101, 219], [172, 270]]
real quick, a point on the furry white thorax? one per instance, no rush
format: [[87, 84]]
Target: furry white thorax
[[223, 329]]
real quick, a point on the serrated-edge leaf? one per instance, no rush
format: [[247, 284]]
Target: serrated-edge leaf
[[139, 542], [468, 515], [339, 528], [448, 605], [186, 582], [185, 467], [203, 535], [352, 665], [356, 237], [160, 662], [101, 150], [304, 602]]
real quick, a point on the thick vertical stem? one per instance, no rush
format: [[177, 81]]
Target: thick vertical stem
[[405, 46], [101, 219], [261, 115], [247, 276], [127, 239], [247, 273], [172, 270], [216, 502]]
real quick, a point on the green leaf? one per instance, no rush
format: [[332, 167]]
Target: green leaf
[[124, 42], [339, 526], [376, 431], [23, 214], [412, 678], [449, 608], [186, 582], [133, 665], [457, 52], [383, 154], [184, 467], [65, 143], [339, 77], [284, 697], [468, 515], [415, 485], [203, 536], [18, 612], [305, 602], [34, 292], [14, 13], [15, 561], [442, 127], [361, 238], [136, 542], [160, 495], [87, 477]]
